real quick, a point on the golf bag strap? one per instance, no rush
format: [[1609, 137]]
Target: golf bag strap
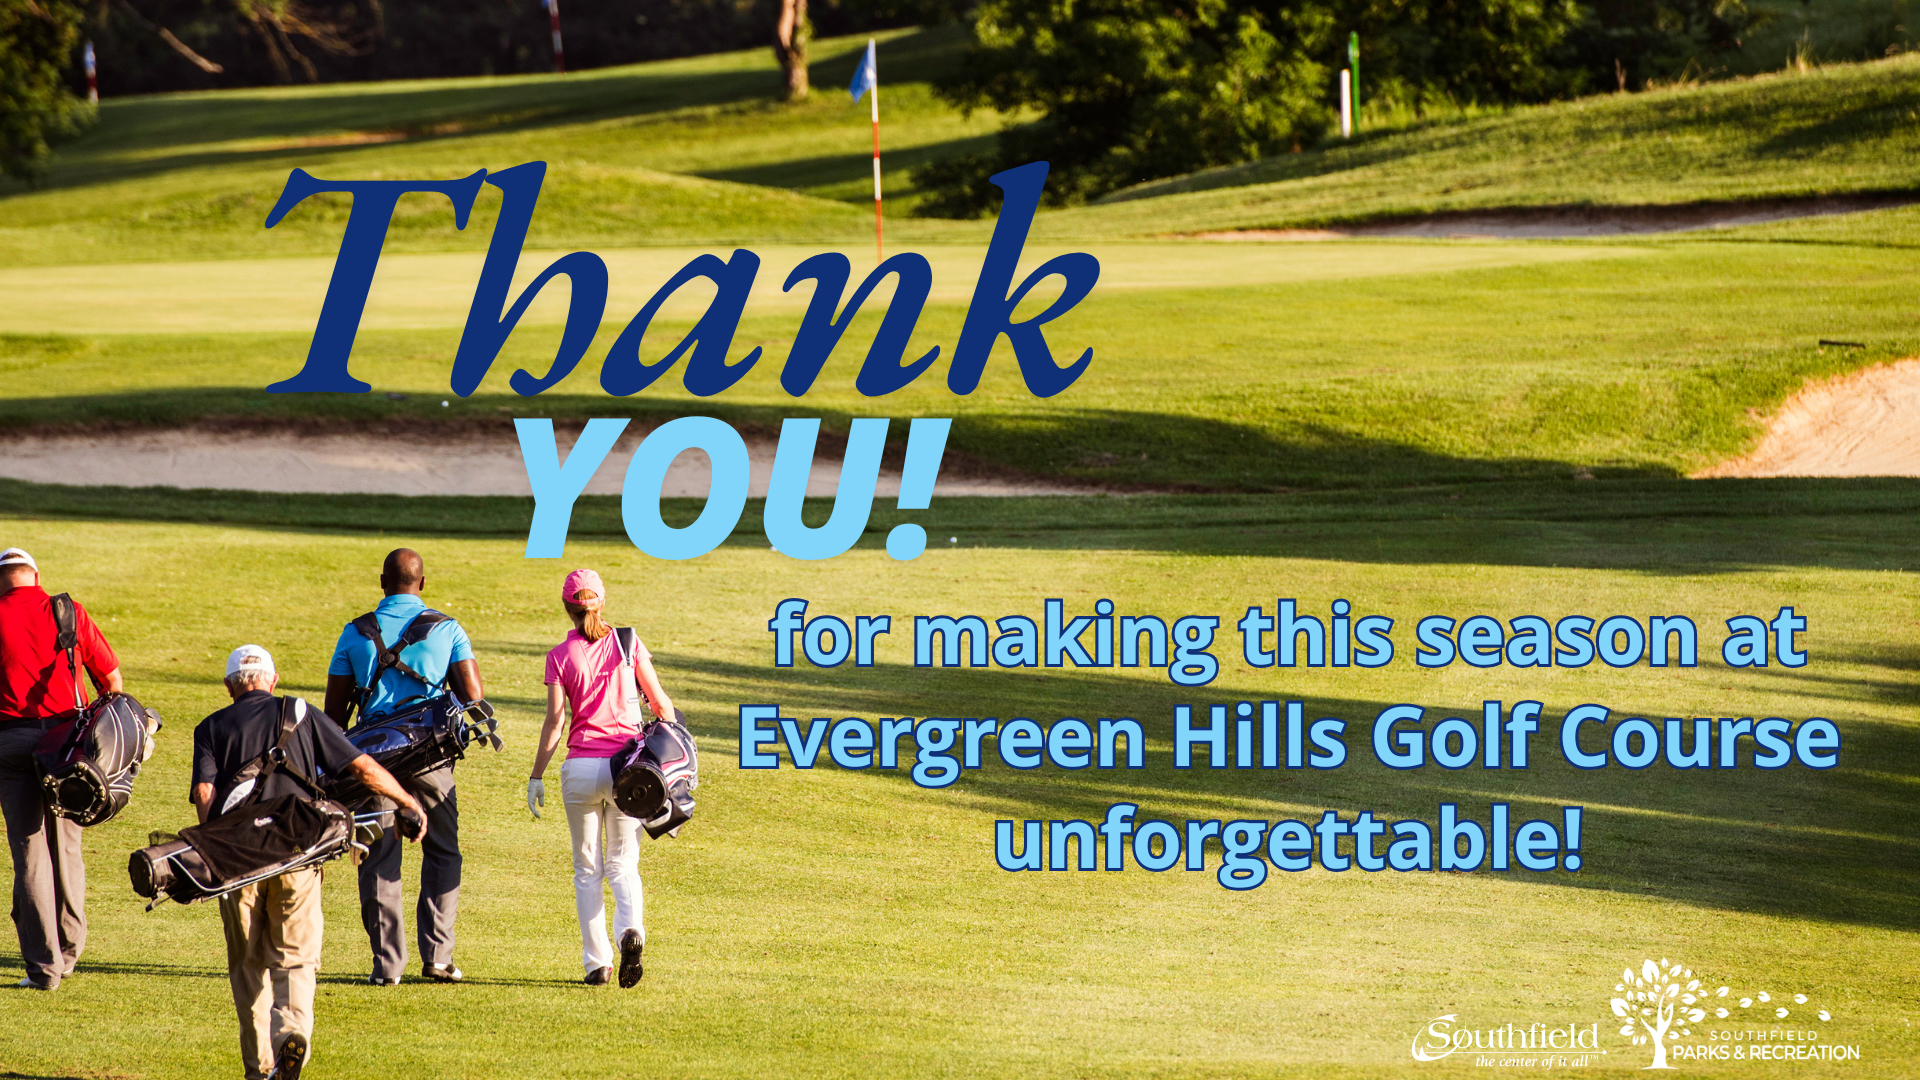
[[388, 659], [628, 642], [292, 711], [66, 638]]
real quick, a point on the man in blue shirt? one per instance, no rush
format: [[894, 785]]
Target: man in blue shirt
[[444, 656]]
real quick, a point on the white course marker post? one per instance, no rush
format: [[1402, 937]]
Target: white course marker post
[[866, 80], [1346, 104]]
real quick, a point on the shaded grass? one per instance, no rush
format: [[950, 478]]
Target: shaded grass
[[1845, 522], [193, 175]]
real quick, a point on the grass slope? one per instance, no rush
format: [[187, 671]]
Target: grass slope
[[1833, 131], [694, 151], [668, 152]]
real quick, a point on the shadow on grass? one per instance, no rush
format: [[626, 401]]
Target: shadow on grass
[[818, 172], [97, 967], [1663, 527], [1125, 449], [361, 980], [298, 132], [297, 129], [1832, 845]]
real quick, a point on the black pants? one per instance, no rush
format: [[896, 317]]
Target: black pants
[[381, 893]]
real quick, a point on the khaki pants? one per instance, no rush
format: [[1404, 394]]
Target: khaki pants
[[273, 956]]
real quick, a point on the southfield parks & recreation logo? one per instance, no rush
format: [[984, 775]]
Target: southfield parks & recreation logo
[[1664, 1009], [1663, 1002]]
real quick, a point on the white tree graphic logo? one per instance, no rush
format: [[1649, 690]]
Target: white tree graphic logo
[[1655, 999], [1664, 995]]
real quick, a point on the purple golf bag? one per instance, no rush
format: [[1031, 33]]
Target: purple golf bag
[[654, 776]]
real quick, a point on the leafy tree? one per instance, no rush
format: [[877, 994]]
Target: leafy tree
[[1133, 90], [1657, 999], [37, 38]]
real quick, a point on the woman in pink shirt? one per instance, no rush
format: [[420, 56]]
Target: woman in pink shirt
[[603, 691]]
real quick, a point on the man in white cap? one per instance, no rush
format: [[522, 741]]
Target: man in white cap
[[274, 927], [39, 688]]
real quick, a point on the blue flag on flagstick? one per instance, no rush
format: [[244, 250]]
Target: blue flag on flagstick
[[865, 77]]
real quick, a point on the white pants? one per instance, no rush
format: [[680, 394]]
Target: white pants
[[586, 786]]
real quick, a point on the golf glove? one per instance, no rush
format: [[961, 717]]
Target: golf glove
[[536, 795], [411, 825]]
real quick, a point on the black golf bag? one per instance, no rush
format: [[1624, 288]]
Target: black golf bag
[[87, 764], [252, 839], [655, 774], [417, 740]]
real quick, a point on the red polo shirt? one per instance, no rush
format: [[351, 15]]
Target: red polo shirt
[[34, 681]]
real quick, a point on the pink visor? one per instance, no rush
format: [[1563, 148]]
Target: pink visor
[[583, 579]]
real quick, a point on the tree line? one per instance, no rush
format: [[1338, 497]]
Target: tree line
[[1125, 90]]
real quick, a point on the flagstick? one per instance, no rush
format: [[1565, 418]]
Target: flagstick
[[559, 54], [877, 254]]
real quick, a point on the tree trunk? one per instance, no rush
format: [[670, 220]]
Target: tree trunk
[[1659, 1039], [790, 46]]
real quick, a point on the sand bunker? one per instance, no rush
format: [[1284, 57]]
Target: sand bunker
[[1863, 424], [1572, 222], [390, 464]]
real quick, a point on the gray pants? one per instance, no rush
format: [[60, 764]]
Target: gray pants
[[49, 880], [380, 891]]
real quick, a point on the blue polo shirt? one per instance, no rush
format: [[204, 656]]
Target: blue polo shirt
[[443, 647]]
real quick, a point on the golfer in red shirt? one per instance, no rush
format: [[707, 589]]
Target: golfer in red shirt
[[37, 691]]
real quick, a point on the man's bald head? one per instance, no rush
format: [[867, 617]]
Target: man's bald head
[[403, 572]]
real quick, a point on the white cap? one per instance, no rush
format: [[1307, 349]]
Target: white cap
[[249, 659], [18, 557]]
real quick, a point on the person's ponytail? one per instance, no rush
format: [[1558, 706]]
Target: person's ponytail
[[587, 618]]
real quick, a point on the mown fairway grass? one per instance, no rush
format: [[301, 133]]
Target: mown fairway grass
[[832, 923], [1219, 366]]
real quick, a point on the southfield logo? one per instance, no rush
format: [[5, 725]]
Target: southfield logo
[[1507, 1044]]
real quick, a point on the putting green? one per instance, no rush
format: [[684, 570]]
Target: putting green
[[435, 290]]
